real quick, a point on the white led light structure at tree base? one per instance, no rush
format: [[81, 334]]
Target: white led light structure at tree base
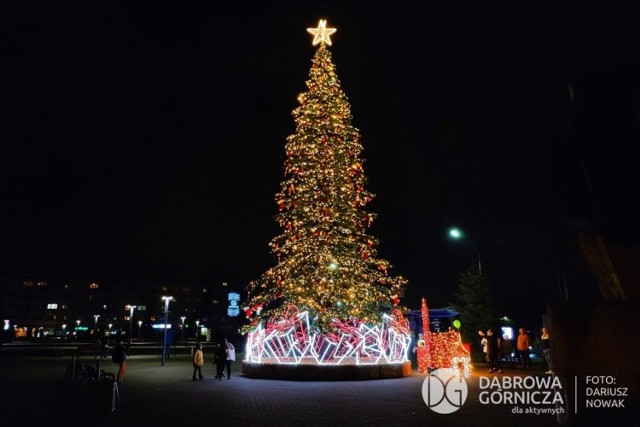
[[289, 349]]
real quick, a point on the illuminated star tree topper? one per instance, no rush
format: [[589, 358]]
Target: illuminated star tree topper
[[322, 33]]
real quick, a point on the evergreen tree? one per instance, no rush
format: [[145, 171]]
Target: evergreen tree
[[474, 303], [327, 263]]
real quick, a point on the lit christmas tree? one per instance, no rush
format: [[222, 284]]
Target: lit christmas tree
[[327, 263], [329, 300]]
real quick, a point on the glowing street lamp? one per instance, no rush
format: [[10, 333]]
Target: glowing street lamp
[[95, 323], [131, 308], [166, 321], [182, 327], [139, 328], [457, 234], [197, 330]]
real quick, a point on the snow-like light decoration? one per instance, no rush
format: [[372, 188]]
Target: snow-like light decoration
[[322, 33], [462, 365], [447, 351], [290, 340]]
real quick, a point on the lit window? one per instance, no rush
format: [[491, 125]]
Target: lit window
[[27, 284], [43, 284], [94, 286], [52, 306]]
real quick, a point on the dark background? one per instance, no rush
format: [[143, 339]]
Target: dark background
[[146, 141]]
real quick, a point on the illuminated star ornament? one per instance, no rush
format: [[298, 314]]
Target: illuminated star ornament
[[322, 33]]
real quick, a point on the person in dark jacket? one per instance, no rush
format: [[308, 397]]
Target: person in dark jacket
[[220, 360], [546, 348], [493, 352], [506, 348]]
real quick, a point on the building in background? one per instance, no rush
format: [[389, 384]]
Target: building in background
[[85, 310]]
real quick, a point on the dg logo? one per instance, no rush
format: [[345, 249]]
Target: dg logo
[[444, 390]]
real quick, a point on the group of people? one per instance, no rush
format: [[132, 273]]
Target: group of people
[[495, 349], [224, 354]]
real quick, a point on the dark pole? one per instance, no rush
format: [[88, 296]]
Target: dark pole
[[166, 321]]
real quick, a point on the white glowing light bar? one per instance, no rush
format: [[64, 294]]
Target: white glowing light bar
[[290, 341], [161, 326]]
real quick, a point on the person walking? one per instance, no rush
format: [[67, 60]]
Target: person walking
[[523, 345], [231, 356], [198, 361], [507, 350], [544, 338], [493, 352], [220, 360], [483, 344], [120, 354]]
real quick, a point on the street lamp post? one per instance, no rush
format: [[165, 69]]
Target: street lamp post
[[182, 328], [197, 330], [95, 323], [166, 321], [139, 328], [131, 308], [457, 234]]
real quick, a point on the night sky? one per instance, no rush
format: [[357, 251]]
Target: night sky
[[146, 141]]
